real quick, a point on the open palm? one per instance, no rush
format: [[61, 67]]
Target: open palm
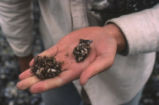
[[101, 57]]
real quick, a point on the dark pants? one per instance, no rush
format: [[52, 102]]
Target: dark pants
[[65, 95], [68, 95]]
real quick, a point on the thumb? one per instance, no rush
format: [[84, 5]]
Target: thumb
[[100, 64]]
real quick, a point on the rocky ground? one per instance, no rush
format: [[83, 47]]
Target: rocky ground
[[9, 70], [151, 91]]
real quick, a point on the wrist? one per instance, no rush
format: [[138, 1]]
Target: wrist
[[24, 62], [117, 34]]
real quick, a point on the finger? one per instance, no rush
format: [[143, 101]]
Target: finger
[[28, 82], [25, 74], [31, 62], [101, 63], [58, 81]]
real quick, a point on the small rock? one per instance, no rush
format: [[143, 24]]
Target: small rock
[[82, 50]]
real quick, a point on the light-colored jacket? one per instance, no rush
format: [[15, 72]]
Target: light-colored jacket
[[128, 74]]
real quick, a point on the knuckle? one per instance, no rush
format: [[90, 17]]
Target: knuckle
[[59, 82], [44, 87]]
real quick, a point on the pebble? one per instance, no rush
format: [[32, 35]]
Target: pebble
[[82, 50]]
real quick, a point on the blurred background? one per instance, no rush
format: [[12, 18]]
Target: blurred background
[[9, 70]]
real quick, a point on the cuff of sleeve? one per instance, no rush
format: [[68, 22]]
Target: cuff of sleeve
[[21, 50], [137, 31], [23, 53]]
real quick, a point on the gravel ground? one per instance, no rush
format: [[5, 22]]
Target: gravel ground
[[9, 70], [151, 91]]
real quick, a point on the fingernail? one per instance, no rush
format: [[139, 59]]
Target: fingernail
[[20, 76], [20, 86]]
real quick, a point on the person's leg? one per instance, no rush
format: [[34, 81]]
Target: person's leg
[[135, 100], [65, 95]]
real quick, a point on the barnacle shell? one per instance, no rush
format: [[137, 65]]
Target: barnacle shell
[[81, 51], [46, 67]]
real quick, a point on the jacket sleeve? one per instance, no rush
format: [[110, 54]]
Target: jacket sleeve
[[16, 24], [141, 30]]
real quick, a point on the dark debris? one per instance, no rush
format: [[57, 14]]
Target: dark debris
[[82, 50], [46, 67]]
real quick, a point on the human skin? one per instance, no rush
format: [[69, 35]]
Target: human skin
[[107, 42], [24, 62]]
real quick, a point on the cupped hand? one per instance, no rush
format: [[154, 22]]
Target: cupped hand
[[106, 41]]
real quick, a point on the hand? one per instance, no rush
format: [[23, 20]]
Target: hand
[[106, 41], [24, 62]]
